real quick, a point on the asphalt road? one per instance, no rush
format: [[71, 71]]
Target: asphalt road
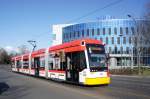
[[17, 86]]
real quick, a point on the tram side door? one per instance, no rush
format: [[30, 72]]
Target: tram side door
[[37, 65], [72, 72], [75, 69]]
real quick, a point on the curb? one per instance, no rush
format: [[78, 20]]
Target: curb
[[131, 76]]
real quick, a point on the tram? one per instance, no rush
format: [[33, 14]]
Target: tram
[[80, 61]]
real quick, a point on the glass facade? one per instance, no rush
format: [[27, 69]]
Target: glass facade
[[115, 33]]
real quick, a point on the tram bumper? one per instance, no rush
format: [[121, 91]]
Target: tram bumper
[[97, 81]]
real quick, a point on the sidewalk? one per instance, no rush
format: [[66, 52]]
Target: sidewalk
[[132, 76]]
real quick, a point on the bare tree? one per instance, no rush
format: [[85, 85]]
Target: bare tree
[[23, 49], [147, 11], [142, 39], [4, 57], [146, 31]]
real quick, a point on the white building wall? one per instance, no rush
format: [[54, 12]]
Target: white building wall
[[57, 33], [113, 63]]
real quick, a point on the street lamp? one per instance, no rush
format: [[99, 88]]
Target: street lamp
[[121, 49], [137, 46], [33, 43]]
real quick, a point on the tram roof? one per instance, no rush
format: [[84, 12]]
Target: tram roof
[[18, 57], [25, 56], [75, 43], [38, 52]]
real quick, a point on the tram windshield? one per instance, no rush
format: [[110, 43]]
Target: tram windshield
[[97, 60], [96, 55]]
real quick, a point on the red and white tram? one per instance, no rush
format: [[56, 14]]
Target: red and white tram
[[80, 61]]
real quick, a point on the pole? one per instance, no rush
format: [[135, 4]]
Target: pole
[[121, 49], [132, 55], [33, 43]]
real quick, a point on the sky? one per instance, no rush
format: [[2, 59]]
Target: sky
[[23, 20]]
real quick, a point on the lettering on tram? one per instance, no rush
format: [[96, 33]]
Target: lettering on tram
[[80, 61]]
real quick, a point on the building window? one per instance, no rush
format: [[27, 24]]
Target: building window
[[70, 35], [101, 39], [109, 31], [127, 31], [138, 29], [87, 32], [135, 40], [133, 31], [64, 36], [124, 40], [98, 31], [74, 34], [82, 33], [67, 36], [92, 32], [103, 31], [54, 36], [130, 40], [112, 40], [106, 40], [121, 30], [121, 50], [127, 50], [115, 31], [109, 49], [78, 34], [115, 50], [118, 40]]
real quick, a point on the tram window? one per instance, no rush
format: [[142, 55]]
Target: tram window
[[82, 61], [35, 62], [57, 63], [13, 64], [50, 66], [26, 63], [42, 64], [18, 64], [50, 62], [63, 66], [76, 61], [32, 63]]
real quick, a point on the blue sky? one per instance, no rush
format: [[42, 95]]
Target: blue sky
[[22, 20]]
